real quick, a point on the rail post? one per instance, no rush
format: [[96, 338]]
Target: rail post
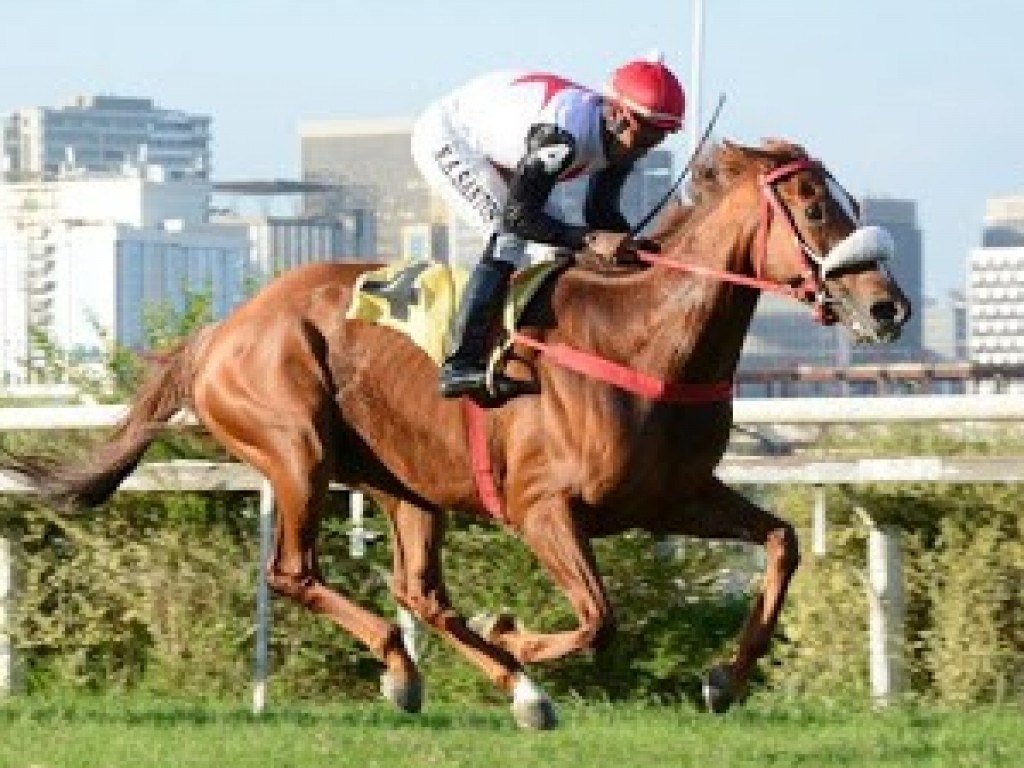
[[886, 612], [819, 521], [266, 508], [9, 678]]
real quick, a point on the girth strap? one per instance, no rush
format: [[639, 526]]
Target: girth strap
[[480, 458]]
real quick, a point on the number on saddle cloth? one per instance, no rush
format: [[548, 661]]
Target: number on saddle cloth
[[398, 291]]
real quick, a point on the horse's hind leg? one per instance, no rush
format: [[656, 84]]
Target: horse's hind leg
[[291, 442], [292, 570]]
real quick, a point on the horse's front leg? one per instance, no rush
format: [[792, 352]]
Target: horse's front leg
[[559, 541], [719, 512]]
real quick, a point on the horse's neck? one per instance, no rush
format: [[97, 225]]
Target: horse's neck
[[715, 313], [679, 326], [668, 324]]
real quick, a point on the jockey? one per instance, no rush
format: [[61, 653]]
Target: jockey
[[495, 148]]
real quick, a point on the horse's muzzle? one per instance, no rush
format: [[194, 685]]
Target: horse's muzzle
[[889, 316]]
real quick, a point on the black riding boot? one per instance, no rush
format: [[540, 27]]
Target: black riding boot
[[465, 370]]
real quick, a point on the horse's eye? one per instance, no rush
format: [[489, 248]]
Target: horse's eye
[[814, 213]]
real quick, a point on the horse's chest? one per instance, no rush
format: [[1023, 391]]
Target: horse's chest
[[652, 459]]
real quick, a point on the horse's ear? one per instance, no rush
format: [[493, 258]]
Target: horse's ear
[[776, 146], [730, 160], [731, 148], [733, 151]]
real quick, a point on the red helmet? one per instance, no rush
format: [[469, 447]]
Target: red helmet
[[648, 88]]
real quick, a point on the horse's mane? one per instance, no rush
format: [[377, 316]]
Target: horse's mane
[[714, 173]]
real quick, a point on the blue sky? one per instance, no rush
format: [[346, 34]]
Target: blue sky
[[900, 98]]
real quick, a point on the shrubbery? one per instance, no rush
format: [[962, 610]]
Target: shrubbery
[[156, 591], [963, 557]]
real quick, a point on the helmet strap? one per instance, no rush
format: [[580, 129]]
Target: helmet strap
[[618, 118]]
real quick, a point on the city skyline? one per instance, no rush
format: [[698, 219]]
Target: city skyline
[[909, 102]]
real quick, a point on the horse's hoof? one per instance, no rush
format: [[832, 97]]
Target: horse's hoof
[[717, 690], [481, 623], [535, 715], [531, 707], [489, 626], [407, 695]]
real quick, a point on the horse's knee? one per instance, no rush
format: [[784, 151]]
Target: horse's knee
[[600, 632], [288, 584], [783, 548]]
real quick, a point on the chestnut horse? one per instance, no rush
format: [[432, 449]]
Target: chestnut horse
[[305, 396]]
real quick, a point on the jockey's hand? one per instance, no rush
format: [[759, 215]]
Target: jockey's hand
[[646, 244], [634, 247], [604, 244], [615, 248]]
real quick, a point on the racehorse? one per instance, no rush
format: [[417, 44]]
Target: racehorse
[[308, 397]]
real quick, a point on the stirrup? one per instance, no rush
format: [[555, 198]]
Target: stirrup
[[457, 383], [488, 386], [500, 386]]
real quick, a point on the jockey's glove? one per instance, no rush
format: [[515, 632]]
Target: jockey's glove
[[614, 248]]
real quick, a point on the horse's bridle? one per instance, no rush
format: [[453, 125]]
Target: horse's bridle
[[809, 287]]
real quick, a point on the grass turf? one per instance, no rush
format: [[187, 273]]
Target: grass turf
[[111, 732]]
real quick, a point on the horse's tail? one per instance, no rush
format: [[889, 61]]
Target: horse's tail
[[164, 391]]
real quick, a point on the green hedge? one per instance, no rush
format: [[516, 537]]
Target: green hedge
[[156, 592], [963, 558]]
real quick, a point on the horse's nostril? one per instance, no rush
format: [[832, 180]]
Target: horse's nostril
[[884, 310]]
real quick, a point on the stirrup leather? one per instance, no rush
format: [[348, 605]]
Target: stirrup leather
[[498, 384]]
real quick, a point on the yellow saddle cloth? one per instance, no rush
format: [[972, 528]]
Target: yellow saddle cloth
[[419, 299]]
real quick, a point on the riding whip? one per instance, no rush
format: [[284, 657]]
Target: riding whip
[[693, 157]]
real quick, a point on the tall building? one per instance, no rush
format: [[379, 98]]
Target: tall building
[[135, 272], [280, 236], [945, 328], [102, 134], [995, 286], [277, 243], [1004, 223], [371, 163]]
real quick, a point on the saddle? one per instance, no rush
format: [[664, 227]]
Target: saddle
[[420, 298]]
